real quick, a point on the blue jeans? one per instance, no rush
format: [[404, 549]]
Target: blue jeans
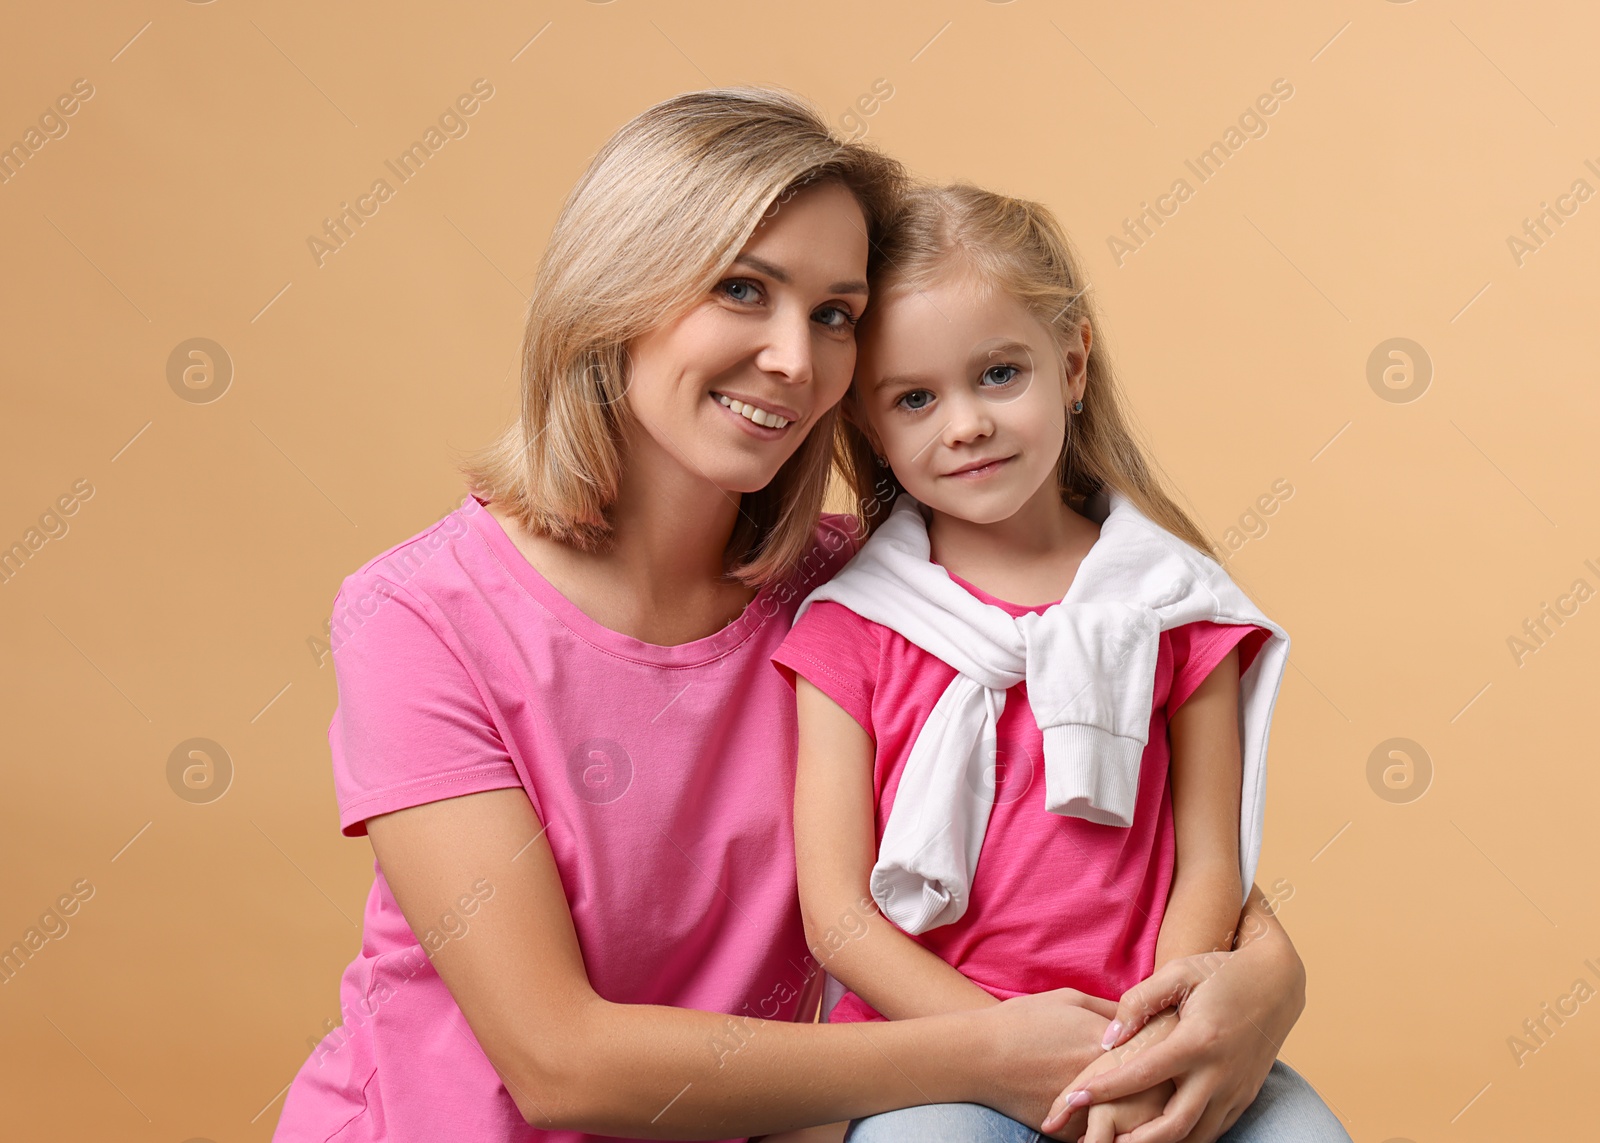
[[1287, 1110]]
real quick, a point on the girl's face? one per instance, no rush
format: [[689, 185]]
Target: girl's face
[[730, 388], [964, 392]]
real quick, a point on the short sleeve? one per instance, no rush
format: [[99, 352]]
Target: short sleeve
[[1198, 647], [411, 725], [837, 652]]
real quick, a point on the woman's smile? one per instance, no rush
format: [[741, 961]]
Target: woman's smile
[[766, 420]]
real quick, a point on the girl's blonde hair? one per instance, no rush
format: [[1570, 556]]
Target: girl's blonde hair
[[653, 223], [1018, 247]]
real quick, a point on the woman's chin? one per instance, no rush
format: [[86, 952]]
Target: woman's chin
[[737, 475], [739, 485]]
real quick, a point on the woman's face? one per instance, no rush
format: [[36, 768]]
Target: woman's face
[[730, 388]]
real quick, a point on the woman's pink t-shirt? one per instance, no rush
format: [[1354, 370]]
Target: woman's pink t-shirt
[[664, 777], [1056, 902]]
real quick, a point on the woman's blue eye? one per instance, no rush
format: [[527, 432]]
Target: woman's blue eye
[[1010, 371], [746, 292], [915, 400]]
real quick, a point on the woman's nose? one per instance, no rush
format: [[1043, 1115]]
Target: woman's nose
[[787, 351]]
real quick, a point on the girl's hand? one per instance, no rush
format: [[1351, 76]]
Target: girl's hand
[[1235, 1008], [1119, 1116], [1108, 1121]]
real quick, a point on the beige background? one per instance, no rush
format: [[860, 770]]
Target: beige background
[[1420, 534]]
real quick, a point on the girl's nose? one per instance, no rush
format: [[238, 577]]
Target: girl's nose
[[967, 418]]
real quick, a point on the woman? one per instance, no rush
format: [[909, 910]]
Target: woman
[[559, 725]]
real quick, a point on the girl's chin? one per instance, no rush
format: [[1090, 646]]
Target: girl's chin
[[974, 507]]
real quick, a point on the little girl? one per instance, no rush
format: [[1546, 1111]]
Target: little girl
[[987, 690]]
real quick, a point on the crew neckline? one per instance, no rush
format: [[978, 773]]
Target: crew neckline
[[1013, 609], [696, 652]]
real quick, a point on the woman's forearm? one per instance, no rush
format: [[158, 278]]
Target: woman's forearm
[[569, 1058], [1265, 941], [657, 1072]]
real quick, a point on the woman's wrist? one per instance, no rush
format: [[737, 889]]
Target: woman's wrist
[[1265, 946], [970, 1054], [957, 1041]]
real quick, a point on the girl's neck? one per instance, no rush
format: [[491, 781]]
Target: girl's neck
[[1029, 558]]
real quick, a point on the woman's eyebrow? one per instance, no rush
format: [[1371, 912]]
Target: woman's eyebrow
[[779, 274]]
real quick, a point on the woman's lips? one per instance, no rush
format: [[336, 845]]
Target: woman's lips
[[762, 432]]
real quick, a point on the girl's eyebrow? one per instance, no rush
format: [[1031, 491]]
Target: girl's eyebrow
[[979, 355], [779, 274], [896, 379], [1000, 348]]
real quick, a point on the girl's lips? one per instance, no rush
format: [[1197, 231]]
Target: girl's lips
[[982, 471]]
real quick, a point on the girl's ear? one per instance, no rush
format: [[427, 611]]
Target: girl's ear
[[1073, 348]]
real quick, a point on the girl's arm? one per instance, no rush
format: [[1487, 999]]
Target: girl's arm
[[572, 1060], [1203, 905], [834, 840]]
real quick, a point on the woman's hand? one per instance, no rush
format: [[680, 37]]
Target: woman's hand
[[1030, 1045], [1235, 1009]]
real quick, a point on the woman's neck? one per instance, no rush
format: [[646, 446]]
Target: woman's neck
[[671, 528], [661, 580], [1029, 558]]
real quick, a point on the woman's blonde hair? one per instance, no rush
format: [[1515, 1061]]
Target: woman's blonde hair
[[657, 218], [1018, 247]]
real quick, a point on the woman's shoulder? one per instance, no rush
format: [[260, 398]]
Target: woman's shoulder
[[841, 530], [402, 561], [425, 569], [833, 541]]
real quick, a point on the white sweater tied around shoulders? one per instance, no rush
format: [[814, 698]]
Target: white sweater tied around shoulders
[[1090, 664]]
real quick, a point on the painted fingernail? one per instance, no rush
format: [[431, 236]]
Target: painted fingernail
[[1077, 1099], [1113, 1030]]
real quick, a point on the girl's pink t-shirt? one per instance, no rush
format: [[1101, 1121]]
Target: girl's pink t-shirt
[[664, 778], [1056, 902]]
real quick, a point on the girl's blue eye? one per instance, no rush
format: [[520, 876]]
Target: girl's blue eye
[[733, 284], [1009, 371], [910, 400]]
